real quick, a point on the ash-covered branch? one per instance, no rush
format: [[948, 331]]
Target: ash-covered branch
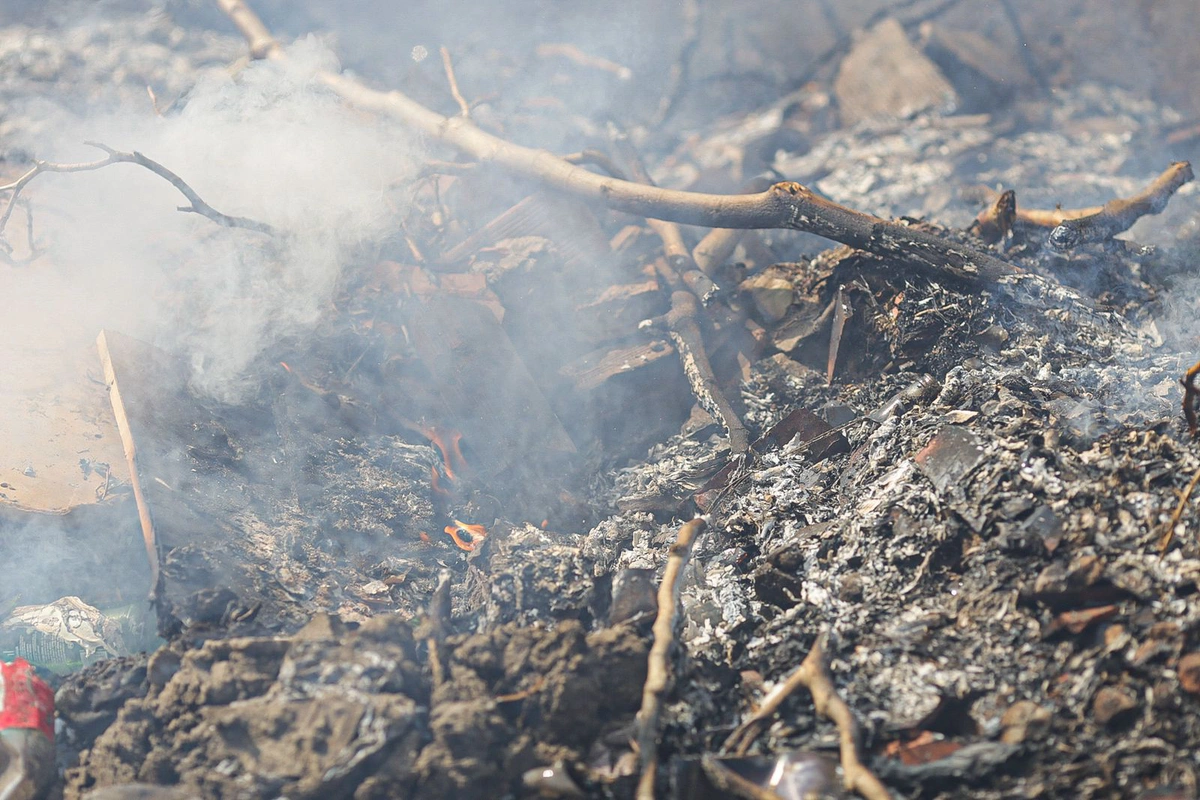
[[658, 674], [813, 674], [685, 333], [196, 204], [784, 205], [682, 321]]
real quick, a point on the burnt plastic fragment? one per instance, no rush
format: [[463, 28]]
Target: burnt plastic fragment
[[950, 457], [634, 595]]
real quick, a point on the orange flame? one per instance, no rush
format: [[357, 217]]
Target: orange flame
[[449, 442], [477, 533]]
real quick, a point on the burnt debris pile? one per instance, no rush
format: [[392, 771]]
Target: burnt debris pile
[[803, 427]]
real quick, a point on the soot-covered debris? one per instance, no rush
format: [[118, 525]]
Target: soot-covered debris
[[959, 488]]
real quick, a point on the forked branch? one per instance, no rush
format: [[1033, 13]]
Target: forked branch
[[784, 205], [813, 674], [196, 203]]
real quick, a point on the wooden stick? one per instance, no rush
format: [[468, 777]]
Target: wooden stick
[[143, 508], [682, 320], [785, 205], [658, 673]]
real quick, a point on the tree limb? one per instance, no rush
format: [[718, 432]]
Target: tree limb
[[785, 205], [1118, 215]]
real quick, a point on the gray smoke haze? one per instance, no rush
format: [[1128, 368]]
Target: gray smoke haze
[[266, 143]]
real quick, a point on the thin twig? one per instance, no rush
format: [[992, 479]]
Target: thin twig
[[677, 77], [658, 672], [785, 205], [464, 109], [197, 205], [573, 53], [813, 674], [1190, 396], [1169, 534]]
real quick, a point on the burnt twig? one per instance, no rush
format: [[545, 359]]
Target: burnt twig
[[813, 674], [685, 333], [573, 53], [197, 205], [785, 205], [1191, 395], [996, 221], [658, 672], [1116, 216]]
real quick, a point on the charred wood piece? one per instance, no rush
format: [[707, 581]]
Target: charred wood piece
[[996, 221]]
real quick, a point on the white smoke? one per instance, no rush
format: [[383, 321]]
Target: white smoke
[[266, 143]]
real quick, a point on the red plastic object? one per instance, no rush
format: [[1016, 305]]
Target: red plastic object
[[26, 701], [26, 733]]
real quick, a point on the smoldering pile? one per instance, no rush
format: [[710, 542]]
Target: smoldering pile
[[957, 490]]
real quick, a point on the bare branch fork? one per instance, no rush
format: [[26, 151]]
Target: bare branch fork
[[813, 674], [785, 205], [197, 205]]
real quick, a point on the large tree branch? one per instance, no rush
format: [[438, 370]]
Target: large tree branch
[[784, 205]]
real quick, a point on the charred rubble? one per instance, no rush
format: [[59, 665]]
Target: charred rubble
[[584, 500]]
